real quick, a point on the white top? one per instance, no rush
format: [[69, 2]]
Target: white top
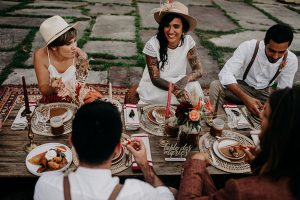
[[67, 76], [96, 184], [174, 70], [261, 72]]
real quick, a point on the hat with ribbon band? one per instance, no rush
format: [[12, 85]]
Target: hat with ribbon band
[[54, 27], [177, 8]]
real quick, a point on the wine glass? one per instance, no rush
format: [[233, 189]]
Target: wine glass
[[43, 115], [161, 120]]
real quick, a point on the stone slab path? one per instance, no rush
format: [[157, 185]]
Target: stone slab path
[[119, 27], [237, 11], [116, 31]]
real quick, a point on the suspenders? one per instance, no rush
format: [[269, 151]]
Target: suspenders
[[281, 66], [67, 191]]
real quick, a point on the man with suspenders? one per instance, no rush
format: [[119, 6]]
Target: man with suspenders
[[96, 134], [255, 66]]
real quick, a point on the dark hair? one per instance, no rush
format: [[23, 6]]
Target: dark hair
[[280, 142], [279, 33], [64, 38], [163, 42], [96, 130]]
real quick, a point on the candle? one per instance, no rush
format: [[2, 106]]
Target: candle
[[169, 101], [27, 109], [110, 91]]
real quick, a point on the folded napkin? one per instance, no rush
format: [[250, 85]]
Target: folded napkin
[[145, 139], [237, 118], [20, 123], [131, 117], [254, 136]]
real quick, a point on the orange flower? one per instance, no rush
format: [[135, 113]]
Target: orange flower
[[194, 115], [91, 96]]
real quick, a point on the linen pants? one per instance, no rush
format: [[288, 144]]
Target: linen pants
[[216, 87]]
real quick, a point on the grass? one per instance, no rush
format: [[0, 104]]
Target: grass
[[20, 56]]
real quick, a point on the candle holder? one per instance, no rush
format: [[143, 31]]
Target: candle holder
[[31, 145], [164, 140]]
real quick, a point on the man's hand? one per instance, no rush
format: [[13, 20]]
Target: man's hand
[[138, 150], [253, 105]]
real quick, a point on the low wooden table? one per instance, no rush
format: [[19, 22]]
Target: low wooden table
[[12, 156]]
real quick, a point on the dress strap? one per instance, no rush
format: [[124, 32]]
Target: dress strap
[[48, 57]]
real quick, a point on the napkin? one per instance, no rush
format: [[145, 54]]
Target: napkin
[[239, 122], [254, 136], [145, 138], [20, 123], [131, 117]]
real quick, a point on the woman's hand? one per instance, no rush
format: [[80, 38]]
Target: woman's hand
[[182, 95], [250, 154], [201, 156], [57, 84]]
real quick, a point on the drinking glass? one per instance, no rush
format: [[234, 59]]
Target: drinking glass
[[160, 119], [43, 115]]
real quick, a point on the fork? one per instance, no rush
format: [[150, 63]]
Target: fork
[[127, 157], [208, 147]]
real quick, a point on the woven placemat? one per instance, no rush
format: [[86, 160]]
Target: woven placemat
[[145, 122], [117, 167], [37, 127], [223, 165]]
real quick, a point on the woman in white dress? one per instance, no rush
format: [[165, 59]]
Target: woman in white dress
[[167, 55], [55, 64]]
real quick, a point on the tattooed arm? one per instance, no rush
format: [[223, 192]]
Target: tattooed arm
[[154, 73], [196, 66], [153, 68]]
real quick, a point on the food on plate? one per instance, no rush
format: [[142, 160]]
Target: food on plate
[[135, 144], [52, 159], [58, 111], [234, 151]]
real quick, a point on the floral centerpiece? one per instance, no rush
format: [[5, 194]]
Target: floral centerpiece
[[189, 116]]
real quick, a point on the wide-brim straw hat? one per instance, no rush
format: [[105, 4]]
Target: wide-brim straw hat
[[54, 27], [177, 8]]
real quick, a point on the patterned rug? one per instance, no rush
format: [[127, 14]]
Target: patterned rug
[[12, 94]]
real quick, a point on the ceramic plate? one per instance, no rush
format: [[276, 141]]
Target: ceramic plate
[[42, 148], [68, 116], [114, 102], [216, 151], [225, 144], [151, 116]]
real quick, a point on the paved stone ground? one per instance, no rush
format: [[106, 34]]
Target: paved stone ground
[[113, 33]]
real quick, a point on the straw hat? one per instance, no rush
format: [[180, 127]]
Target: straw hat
[[175, 7], [54, 27]]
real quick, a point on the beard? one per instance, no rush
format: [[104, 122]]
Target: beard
[[272, 60]]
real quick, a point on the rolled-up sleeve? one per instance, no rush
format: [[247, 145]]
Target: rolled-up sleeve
[[234, 68]]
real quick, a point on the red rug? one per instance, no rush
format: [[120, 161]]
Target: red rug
[[12, 94]]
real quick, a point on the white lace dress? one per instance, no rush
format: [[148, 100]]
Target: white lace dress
[[174, 70]]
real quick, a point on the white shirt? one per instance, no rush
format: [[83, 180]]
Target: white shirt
[[174, 70], [96, 184], [261, 72]]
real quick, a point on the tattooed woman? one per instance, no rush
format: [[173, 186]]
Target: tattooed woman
[[168, 54]]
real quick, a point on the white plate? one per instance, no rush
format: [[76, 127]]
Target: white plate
[[217, 152], [114, 102], [225, 142], [42, 148], [69, 115]]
